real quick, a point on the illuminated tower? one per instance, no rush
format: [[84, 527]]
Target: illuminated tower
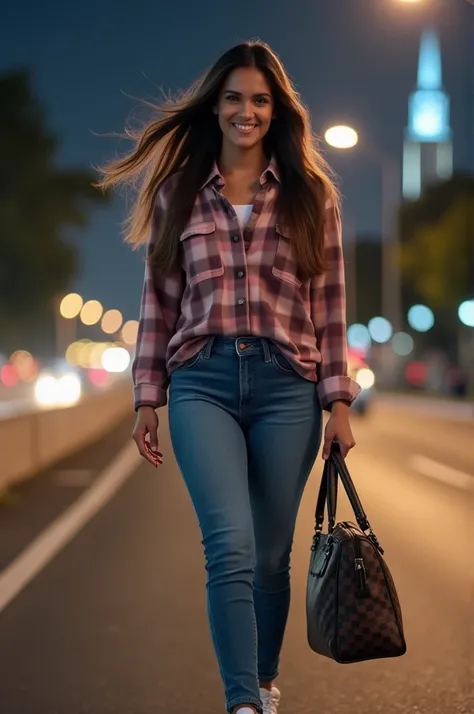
[[428, 148]]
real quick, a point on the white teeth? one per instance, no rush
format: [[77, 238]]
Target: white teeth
[[247, 128]]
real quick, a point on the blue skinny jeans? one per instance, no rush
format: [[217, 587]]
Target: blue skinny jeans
[[246, 429]]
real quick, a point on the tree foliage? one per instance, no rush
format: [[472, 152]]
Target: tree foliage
[[38, 201], [437, 243]]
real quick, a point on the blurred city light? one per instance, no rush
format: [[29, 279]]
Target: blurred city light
[[402, 344], [115, 359], [416, 373], [68, 389], [130, 332], [341, 137], [466, 313], [46, 390], [365, 378], [71, 306], [50, 391], [358, 337], [420, 318], [380, 329], [98, 377], [91, 312], [25, 364], [111, 321], [8, 375]]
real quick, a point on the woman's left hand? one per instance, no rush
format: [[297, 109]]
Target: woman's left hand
[[338, 429]]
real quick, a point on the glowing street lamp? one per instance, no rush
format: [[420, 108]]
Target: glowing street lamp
[[341, 137]]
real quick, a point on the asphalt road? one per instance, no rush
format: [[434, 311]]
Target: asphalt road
[[116, 622]]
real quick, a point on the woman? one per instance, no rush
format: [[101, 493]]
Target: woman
[[243, 316]]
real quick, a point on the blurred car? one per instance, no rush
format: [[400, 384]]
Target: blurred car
[[360, 371]]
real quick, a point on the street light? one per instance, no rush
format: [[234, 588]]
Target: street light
[[346, 137], [341, 137]]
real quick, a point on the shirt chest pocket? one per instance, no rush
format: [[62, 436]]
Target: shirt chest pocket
[[285, 267], [200, 252]]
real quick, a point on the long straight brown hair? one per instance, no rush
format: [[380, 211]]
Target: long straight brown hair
[[187, 141]]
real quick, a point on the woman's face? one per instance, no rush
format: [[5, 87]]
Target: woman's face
[[245, 107]]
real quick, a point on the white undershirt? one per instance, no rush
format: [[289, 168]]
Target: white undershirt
[[243, 213]]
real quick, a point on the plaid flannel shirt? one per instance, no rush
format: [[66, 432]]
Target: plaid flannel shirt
[[236, 283]]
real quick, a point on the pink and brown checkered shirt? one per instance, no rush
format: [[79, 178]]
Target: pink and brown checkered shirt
[[237, 283]]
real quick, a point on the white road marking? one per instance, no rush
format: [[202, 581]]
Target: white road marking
[[440, 472], [46, 546]]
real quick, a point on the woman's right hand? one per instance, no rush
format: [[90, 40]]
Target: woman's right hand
[[147, 424]]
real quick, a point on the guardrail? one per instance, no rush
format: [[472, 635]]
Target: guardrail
[[35, 440]]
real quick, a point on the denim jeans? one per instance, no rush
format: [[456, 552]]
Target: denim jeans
[[246, 429]]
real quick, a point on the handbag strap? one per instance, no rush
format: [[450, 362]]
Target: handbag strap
[[335, 467], [353, 496], [327, 493]]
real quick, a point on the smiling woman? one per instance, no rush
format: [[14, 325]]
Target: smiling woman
[[243, 317]]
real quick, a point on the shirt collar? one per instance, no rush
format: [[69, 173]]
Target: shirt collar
[[215, 176]]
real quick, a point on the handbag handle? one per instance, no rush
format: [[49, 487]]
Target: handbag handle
[[327, 493], [334, 468], [353, 496]]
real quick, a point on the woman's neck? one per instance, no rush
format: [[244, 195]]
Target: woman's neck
[[249, 164]]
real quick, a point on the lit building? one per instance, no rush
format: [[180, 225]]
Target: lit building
[[428, 147]]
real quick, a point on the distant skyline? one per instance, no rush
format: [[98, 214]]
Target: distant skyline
[[353, 61]]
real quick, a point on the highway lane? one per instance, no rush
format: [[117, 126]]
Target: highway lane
[[116, 623]]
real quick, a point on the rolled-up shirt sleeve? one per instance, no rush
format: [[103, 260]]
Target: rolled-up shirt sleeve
[[328, 312], [159, 313]]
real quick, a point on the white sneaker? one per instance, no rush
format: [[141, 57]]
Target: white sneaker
[[270, 700]]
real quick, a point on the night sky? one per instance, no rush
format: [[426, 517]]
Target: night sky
[[352, 60]]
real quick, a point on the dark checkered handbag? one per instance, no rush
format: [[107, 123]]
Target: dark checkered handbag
[[352, 608]]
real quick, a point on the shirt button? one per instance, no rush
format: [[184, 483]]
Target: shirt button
[[240, 274], [236, 239], [241, 301]]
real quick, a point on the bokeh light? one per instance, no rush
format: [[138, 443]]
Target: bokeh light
[[111, 321], [68, 389], [25, 364], [91, 312], [71, 306], [380, 329], [365, 378], [130, 332], [416, 373], [466, 313], [358, 337], [46, 390], [115, 359], [8, 375], [420, 318], [341, 137], [402, 344]]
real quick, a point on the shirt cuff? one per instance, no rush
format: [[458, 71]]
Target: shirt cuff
[[340, 388], [149, 395]]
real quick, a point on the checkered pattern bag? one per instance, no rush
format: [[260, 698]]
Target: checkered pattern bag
[[352, 608]]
